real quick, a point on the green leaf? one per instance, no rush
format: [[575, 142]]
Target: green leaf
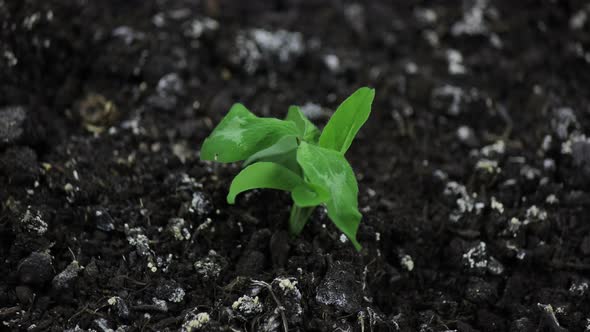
[[347, 120], [263, 175], [241, 134], [329, 169], [309, 194], [308, 131], [283, 152]]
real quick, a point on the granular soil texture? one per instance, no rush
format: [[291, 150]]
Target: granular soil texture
[[473, 169]]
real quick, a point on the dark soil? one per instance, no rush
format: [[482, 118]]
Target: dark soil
[[474, 168]]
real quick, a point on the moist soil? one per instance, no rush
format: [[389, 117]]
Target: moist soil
[[473, 168]]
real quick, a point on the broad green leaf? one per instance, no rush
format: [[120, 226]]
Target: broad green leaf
[[347, 120], [329, 169], [308, 131], [308, 195], [241, 134], [263, 175], [283, 152]]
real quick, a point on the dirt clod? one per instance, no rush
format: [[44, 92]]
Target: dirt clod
[[36, 270], [340, 288]]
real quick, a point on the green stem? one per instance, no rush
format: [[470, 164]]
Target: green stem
[[298, 219]]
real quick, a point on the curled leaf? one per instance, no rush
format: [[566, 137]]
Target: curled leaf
[[263, 175]]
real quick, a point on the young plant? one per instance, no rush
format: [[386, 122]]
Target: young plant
[[294, 156]]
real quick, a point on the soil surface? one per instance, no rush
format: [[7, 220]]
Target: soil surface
[[473, 169]]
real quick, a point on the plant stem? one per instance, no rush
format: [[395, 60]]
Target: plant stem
[[298, 219]]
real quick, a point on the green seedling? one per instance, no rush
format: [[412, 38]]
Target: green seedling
[[294, 156]]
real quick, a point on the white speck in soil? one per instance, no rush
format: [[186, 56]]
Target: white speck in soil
[[343, 238], [529, 172], [473, 21], [488, 165], [466, 203], [551, 199], [579, 19], [497, 205], [170, 87], [33, 222], [103, 220], [159, 20], [564, 122], [425, 15], [209, 267], [332, 62], [30, 21], [200, 26], [179, 229], [136, 238], [188, 183], [476, 257], [533, 214], [547, 142], [496, 41], [578, 288], [355, 16], [247, 305], [455, 60], [200, 205], [465, 134], [548, 164], [514, 226], [11, 59], [495, 267], [170, 290], [407, 262], [498, 148], [182, 151], [195, 320], [205, 225], [177, 295], [163, 263], [170, 84], [411, 68], [161, 305], [431, 37], [103, 325], [441, 175], [133, 124], [286, 284], [128, 34], [290, 298], [122, 310], [255, 46]]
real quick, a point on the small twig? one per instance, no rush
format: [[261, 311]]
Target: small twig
[[139, 283], [570, 265], [78, 313], [279, 305], [5, 312]]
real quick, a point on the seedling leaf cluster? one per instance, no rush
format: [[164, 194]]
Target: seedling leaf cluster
[[294, 156]]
